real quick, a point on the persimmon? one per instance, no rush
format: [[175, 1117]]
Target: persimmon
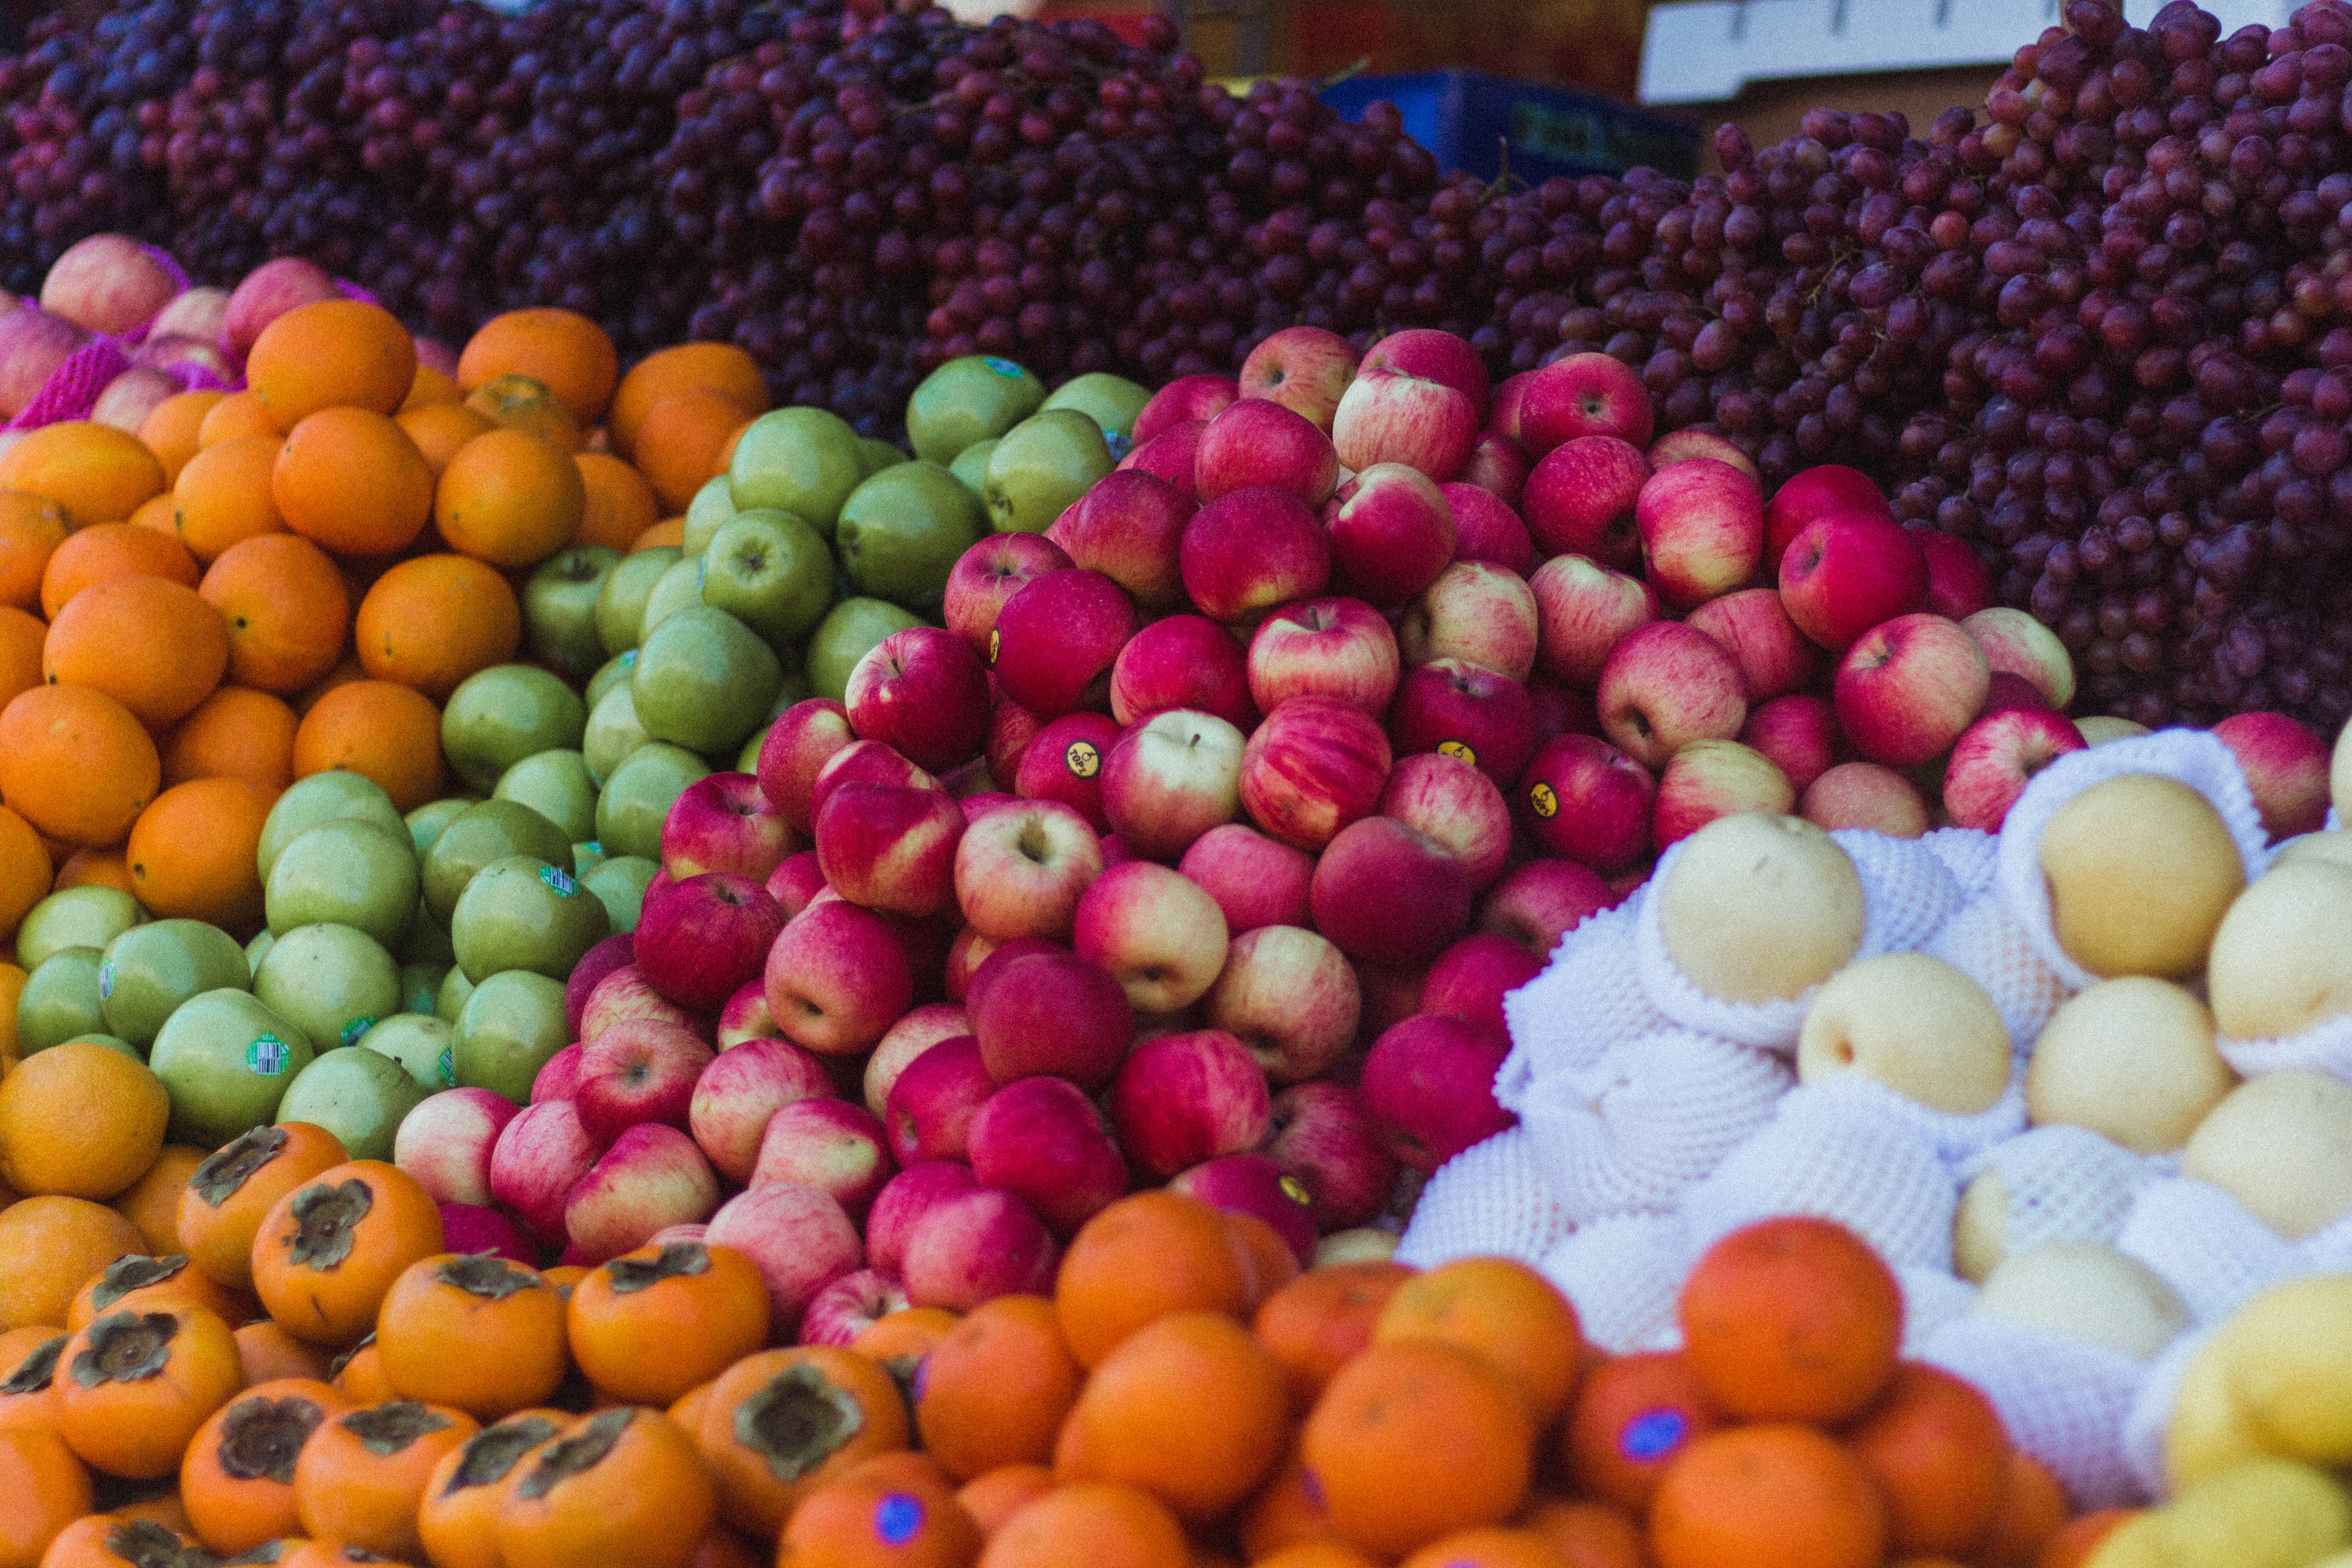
[[269, 1354], [900, 1340], [237, 1477], [29, 1388], [782, 1422], [133, 1387], [114, 1540], [476, 1332], [458, 1519], [328, 1253], [222, 1210], [622, 1488], [135, 1283], [359, 1373], [361, 1478], [43, 1489], [648, 1325]]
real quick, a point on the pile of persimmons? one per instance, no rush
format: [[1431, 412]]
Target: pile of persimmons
[[305, 1377]]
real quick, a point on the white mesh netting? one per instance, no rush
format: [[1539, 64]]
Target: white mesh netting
[[1986, 942], [2063, 1183], [1907, 887], [1587, 999], [2063, 1399], [1954, 1137], [1970, 855], [1623, 1274], [1488, 1200], [2326, 1048], [2204, 1244], [1931, 1298]]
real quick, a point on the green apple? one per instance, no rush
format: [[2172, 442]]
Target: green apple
[[1112, 402], [637, 797], [875, 456], [258, 949], [360, 1096], [712, 505], [331, 982], [613, 732], [747, 760], [87, 916], [804, 461], [704, 680], [846, 636], [970, 469], [499, 716], [523, 913], [226, 1056], [554, 784], [324, 797], [509, 1026], [346, 872], [679, 587], [420, 986], [425, 822], [902, 531], [111, 1042], [620, 886], [559, 607], [621, 602], [613, 671], [586, 856], [967, 400], [61, 1000], [454, 989], [492, 830], [772, 571], [421, 1043], [1044, 463], [427, 941], [150, 970]]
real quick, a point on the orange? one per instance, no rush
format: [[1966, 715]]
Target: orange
[[1769, 1496], [1315, 1554], [670, 531], [98, 867], [1936, 1449], [152, 1202], [1142, 1258], [237, 732], [430, 622], [11, 987], [43, 1489], [31, 528], [1287, 1512], [996, 1496], [238, 414], [192, 853], [1791, 1319], [170, 429], [76, 764], [1488, 1546], [1503, 1311], [223, 495], [23, 873], [433, 388], [157, 513], [509, 497], [720, 368], [681, 441], [286, 608], [74, 1125], [156, 648], [21, 639], [618, 503], [347, 669], [562, 350], [109, 551], [96, 473], [1099, 1523], [523, 403], [330, 353], [352, 481], [869, 1520], [1139, 1418], [379, 730], [1631, 1417], [1589, 1534], [2033, 1510], [994, 1389], [1414, 1439], [441, 429], [478, 1332]]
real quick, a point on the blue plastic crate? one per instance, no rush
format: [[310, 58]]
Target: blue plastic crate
[[1465, 117]]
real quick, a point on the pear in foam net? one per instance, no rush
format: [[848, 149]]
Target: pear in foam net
[[2282, 1145], [2132, 1059], [1759, 908], [1914, 1023], [2086, 1291], [2282, 961], [2141, 869]]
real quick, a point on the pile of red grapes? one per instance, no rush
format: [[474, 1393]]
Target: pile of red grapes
[[2092, 329]]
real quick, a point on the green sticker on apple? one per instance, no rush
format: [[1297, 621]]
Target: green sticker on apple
[[628, 658], [1118, 442], [356, 1028], [562, 881], [447, 1067], [1003, 367], [106, 981], [267, 1056]]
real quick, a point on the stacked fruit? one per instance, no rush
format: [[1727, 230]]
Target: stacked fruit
[[1177, 1394]]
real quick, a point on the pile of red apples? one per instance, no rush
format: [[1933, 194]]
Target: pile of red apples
[[1202, 843]]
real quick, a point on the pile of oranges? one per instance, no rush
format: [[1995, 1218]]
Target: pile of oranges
[[263, 584], [281, 1364]]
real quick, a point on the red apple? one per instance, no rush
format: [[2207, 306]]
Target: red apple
[[1063, 762], [1391, 533], [1182, 661], [890, 846], [985, 967], [1171, 779], [447, 1142], [837, 978], [1683, 446], [904, 1200], [1325, 1141], [1475, 611], [598, 962], [467, 1228], [930, 1109], [1498, 466], [1562, 709], [1469, 979], [1666, 684], [1847, 571], [1428, 1083], [1702, 525], [910, 1038], [724, 823], [1183, 1099], [637, 1071], [745, 1014], [1390, 996], [1255, 881], [1504, 406], [1256, 443], [1908, 687], [804, 737], [795, 882], [1305, 369], [626, 994], [1865, 795], [1708, 779], [557, 1076], [539, 1158], [1042, 1140], [1127, 528], [740, 1090], [1799, 734], [650, 1178], [1585, 799], [1340, 648], [1290, 997], [1313, 766], [1051, 1013], [1816, 492], [851, 1305], [109, 283], [200, 314], [1388, 417], [703, 938], [976, 1247], [1254, 1186], [1487, 529], [1467, 712], [1542, 901], [2285, 766], [2014, 641], [1998, 756], [1055, 638], [33, 344], [830, 1144], [1247, 552], [1157, 933], [1389, 894], [1188, 397], [992, 572], [1171, 455], [1774, 657], [1584, 610], [1580, 497], [798, 1239], [923, 691], [1019, 869], [1436, 356], [130, 397], [1958, 584], [268, 292], [1458, 805], [2007, 691], [1583, 395]]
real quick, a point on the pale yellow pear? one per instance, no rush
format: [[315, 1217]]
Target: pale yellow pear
[[2281, 961], [2141, 869], [1759, 908], [2207, 1432], [2339, 774], [2098, 729], [2137, 1542], [1913, 1023], [2290, 1362], [1981, 1228], [2333, 847], [2085, 1290], [2132, 1059], [2267, 1514], [2282, 1145]]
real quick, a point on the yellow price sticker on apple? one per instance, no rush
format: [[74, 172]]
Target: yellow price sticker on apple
[[1083, 760], [1544, 800]]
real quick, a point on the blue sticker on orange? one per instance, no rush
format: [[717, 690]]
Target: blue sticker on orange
[[1653, 1434]]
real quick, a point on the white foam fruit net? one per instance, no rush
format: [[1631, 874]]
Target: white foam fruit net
[[2063, 1183], [2204, 1244], [2064, 1400], [1623, 1274], [1487, 1200]]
